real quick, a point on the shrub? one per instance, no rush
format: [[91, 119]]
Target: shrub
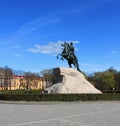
[[59, 97]]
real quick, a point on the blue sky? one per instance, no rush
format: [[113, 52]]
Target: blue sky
[[31, 32]]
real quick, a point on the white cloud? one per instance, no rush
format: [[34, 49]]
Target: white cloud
[[50, 48], [38, 23], [18, 55], [113, 52]]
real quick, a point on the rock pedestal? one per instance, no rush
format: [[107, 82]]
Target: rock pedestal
[[69, 80]]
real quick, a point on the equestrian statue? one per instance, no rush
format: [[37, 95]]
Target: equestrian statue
[[69, 55]]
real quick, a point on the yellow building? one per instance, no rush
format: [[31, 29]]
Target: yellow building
[[2, 81], [21, 82]]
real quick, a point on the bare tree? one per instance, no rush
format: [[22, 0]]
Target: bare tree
[[30, 79], [2, 78], [8, 72]]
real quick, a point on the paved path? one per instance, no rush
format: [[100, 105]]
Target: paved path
[[60, 114]]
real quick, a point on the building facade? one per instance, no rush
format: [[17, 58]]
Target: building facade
[[21, 82]]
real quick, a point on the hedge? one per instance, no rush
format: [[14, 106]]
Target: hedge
[[59, 97], [19, 91]]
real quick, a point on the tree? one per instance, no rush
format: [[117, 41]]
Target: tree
[[8, 72], [117, 82], [2, 78], [112, 70], [20, 75], [30, 79], [104, 81], [46, 72]]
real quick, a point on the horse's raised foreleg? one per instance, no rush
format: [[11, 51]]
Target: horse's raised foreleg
[[61, 56]]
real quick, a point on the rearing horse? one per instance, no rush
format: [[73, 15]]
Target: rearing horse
[[71, 58]]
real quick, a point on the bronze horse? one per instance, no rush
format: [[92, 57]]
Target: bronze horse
[[70, 57]]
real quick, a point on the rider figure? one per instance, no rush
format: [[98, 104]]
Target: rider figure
[[68, 50], [71, 50]]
